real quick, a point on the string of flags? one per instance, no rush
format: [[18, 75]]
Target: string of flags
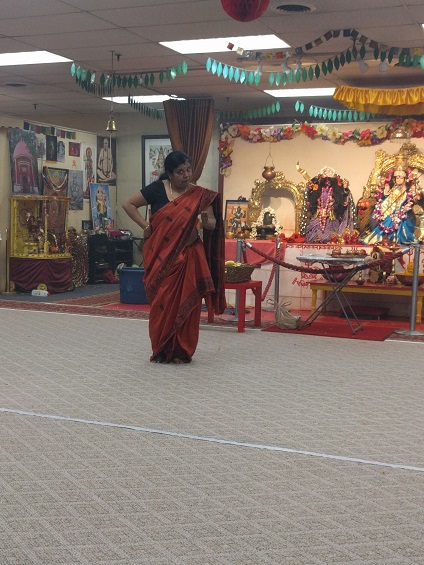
[[50, 130], [407, 57]]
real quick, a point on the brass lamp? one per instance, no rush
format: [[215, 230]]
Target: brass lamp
[[269, 170]]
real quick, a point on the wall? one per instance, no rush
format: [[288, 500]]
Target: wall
[[131, 128], [350, 161]]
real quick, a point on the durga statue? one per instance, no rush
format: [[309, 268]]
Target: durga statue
[[398, 205]]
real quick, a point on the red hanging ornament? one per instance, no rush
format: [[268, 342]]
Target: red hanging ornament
[[245, 10]]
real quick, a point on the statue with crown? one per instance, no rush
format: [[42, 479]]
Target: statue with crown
[[398, 207]]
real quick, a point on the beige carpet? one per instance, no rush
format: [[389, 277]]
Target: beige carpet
[[267, 449]]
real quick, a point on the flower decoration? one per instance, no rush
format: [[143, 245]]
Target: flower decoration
[[260, 221], [324, 131]]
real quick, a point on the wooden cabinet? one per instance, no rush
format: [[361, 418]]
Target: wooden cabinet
[[105, 254]]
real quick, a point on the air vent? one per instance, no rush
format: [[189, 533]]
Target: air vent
[[294, 8]]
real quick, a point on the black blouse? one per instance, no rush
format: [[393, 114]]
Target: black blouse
[[155, 195]]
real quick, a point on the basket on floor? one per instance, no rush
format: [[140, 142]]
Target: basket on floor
[[239, 273]]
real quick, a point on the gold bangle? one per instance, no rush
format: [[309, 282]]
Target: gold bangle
[[144, 229]]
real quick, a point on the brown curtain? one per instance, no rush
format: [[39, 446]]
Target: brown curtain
[[190, 125]]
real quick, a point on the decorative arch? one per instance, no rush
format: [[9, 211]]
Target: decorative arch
[[278, 182]]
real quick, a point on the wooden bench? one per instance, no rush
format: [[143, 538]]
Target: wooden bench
[[369, 288]]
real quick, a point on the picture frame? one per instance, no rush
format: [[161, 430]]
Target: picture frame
[[154, 150], [101, 212], [235, 218], [86, 225]]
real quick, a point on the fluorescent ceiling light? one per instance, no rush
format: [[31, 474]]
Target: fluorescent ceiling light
[[30, 58], [143, 99], [220, 44], [300, 92]]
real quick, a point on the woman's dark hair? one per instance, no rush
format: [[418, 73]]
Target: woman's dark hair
[[172, 161]]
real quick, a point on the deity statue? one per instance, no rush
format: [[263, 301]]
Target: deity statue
[[328, 206], [398, 207]]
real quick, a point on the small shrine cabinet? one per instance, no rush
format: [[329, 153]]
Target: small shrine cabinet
[[39, 252]]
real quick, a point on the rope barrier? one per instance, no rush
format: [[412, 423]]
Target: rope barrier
[[309, 269], [271, 276]]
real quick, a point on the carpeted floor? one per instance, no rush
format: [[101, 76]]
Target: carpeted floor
[[104, 300], [267, 449]]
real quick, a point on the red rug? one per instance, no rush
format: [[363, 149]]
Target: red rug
[[376, 331]]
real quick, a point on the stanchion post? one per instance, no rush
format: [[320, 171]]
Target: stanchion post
[[277, 273], [412, 330], [238, 260]]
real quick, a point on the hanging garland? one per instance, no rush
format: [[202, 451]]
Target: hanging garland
[[407, 57], [332, 114], [87, 79], [323, 131], [251, 114], [107, 84], [146, 110]]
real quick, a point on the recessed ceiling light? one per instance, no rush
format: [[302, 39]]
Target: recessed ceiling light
[[300, 92], [220, 44], [153, 99], [30, 58]]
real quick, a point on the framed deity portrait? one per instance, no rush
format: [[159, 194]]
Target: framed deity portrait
[[55, 181], [101, 211], [235, 215], [155, 148]]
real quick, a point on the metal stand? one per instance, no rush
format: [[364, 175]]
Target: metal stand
[[277, 273], [412, 330], [337, 287], [235, 318], [7, 291]]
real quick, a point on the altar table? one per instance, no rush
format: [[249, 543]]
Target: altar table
[[369, 288]]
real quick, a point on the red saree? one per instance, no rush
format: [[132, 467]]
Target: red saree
[[177, 276]]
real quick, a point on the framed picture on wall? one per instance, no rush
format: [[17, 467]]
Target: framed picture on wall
[[235, 215], [154, 150]]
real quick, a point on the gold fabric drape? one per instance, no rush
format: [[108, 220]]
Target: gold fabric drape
[[190, 125], [393, 102]]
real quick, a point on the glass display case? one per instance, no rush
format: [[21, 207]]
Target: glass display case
[[39, 226]]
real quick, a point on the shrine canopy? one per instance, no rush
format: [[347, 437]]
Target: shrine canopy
[[392, 102]]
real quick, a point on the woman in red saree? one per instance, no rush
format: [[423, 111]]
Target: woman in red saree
[[180, 268]]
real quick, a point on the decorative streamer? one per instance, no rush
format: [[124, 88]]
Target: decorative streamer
[[251, 114], [146, 110], [410, 57], [87, 79], [332, 114]]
